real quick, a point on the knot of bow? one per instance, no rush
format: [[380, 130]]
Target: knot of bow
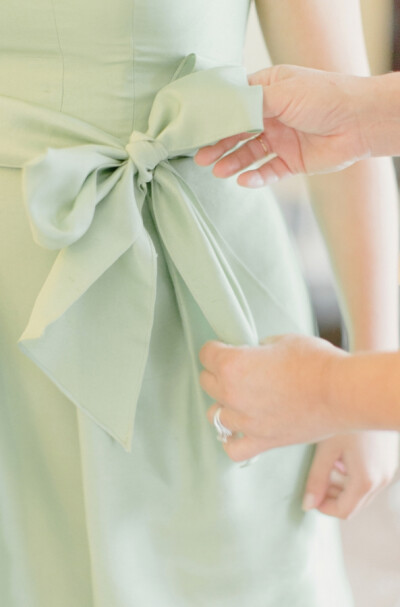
[[146, 153]]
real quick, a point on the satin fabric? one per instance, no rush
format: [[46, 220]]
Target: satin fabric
[[119, 258]]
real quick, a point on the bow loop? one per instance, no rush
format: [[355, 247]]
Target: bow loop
[[62, 189], [146, 153]]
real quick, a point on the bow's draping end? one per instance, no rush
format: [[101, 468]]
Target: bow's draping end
[[95, 352], [114, 413]]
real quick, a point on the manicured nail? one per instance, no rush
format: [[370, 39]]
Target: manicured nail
[[337, 478], [255, 181], [339, 465], [308, 502]]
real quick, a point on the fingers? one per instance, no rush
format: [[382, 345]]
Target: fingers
[[262, 77], [273, 339], [211, 357], [269, 79], [269, 173], [210, 354], [340, 466], [253, 150], [210, 153], [209, 383], [240, 446], [223, 369], [243, 448], [348, 502], [356, 493], [233, 421], [333, 492], [365, 475], [277, 145], [338, 479], [319, 478]]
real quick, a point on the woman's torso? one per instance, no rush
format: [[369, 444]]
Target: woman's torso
[[103, 62]]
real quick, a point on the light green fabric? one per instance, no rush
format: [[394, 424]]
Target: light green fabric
[[62, 190], [114, 491]]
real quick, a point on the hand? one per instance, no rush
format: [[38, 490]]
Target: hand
[[311, 125], [349, 470], [257, 399]]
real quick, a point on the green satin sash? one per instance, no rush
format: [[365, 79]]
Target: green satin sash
[[90, 327]]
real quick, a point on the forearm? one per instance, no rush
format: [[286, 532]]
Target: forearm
[[378, 110], [364, 390], [357, 213]]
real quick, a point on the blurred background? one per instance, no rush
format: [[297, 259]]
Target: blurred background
[[371, 540]]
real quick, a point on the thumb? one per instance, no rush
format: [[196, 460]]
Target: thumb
[[318, 481], [271, 340], [210, 353], [272, 75], [271, 80]]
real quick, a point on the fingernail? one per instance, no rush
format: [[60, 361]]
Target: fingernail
[[337, 478], [255, 181], [308, 502], [339, 465], [202, 161]]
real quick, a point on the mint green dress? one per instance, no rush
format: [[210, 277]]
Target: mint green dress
[[120, 258]]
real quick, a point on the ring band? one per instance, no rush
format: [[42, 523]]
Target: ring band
[[264, 147], [223, 432]]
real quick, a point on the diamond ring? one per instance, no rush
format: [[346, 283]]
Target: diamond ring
[[223, 432]]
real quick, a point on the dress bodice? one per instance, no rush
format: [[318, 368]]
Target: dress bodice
[[103, 61]]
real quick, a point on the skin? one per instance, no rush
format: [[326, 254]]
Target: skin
[[237, 379], [314, 122], [364, 258], [329, 392]]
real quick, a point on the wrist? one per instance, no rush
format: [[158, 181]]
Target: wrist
[[335, 393]]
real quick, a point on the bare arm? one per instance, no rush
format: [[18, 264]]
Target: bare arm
[[379, 114], [365, 388], [357, 208]]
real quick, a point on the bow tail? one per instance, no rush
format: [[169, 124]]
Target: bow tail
[[91, 324], [216, 278], [199, 260], [280, 318]]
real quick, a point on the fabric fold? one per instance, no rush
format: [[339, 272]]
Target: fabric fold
[[84, 196]]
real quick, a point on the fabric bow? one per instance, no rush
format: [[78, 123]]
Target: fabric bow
[[86, 200]]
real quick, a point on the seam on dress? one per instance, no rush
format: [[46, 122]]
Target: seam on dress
[[133, 67], [61, 54], [82, 467]]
